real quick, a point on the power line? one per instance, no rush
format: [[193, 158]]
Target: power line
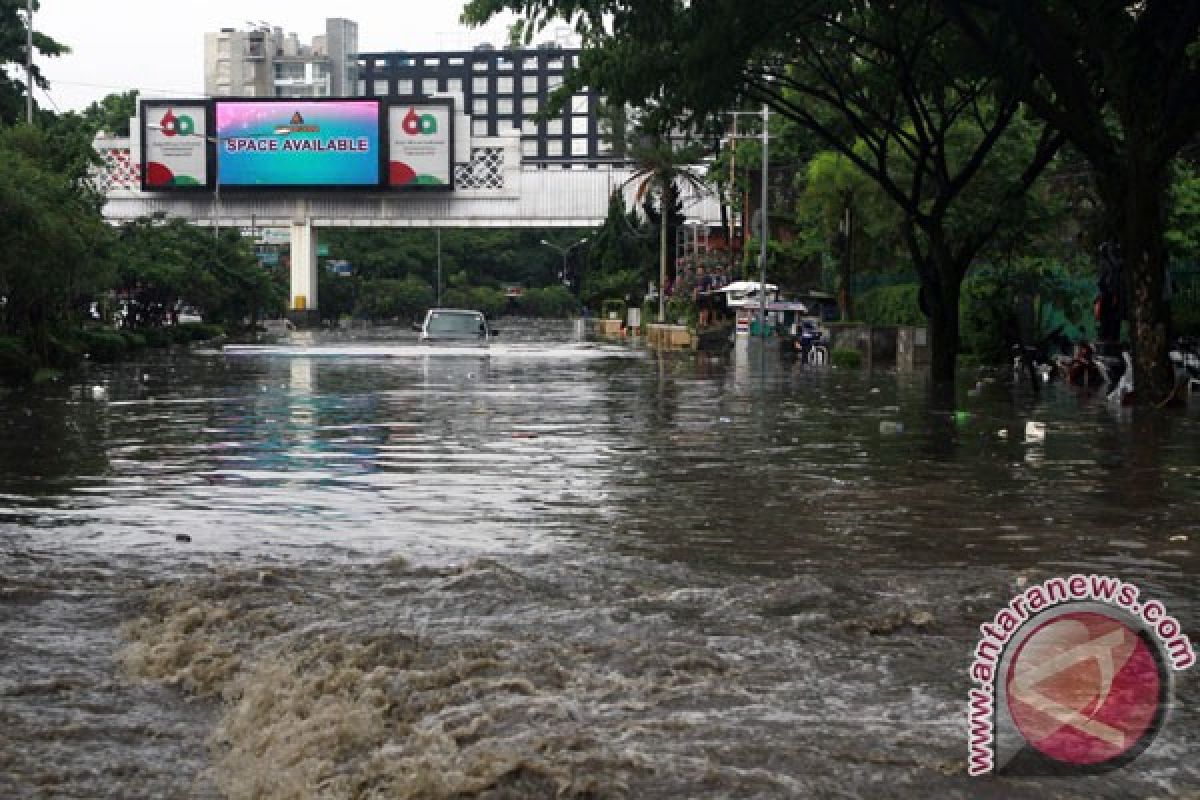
[[181, 93]]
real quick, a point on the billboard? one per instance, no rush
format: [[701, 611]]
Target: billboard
[[175, 144], [420, 144], [298, 143]]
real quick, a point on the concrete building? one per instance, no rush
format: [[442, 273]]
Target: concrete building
[[502, 90], [263, 61]]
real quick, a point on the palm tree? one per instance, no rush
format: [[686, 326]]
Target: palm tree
[[664, 171]]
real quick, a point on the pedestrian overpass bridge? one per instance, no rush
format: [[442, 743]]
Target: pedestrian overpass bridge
[[492, 189]]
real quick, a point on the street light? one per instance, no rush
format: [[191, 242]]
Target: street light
[[565, 251]]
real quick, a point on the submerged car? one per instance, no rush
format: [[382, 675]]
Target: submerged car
[[455, 326]]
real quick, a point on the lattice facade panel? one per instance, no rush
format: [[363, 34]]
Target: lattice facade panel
[[485, 170], [118, 171]]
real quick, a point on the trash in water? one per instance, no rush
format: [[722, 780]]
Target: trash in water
[[99, 393], [1035, 432], [874, 390], [1179, 537], [1002, 433], [725, 419], [962, 417], [889, 426]]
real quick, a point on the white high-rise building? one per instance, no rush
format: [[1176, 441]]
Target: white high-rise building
[[263, 61]]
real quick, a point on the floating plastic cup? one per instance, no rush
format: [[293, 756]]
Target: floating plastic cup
[[888, 426], [1035, 432]]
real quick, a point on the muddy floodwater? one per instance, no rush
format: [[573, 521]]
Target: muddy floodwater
[[354, 567]]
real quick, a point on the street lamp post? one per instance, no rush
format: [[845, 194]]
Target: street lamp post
[[565, 251]]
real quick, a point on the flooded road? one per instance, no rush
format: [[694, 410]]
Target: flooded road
[[353, 567]]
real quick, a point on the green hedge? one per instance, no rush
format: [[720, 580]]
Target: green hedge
[[199, 331], [844, 357], [103, 345]]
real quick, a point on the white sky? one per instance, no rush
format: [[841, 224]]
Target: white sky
[[158, 46]]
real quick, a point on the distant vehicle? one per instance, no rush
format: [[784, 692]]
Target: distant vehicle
[[455, 326]]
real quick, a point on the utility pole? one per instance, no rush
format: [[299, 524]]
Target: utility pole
[[438, 232], [762, 256], [29, 61], [732, 194]]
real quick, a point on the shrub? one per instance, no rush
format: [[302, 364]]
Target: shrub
[[103, 345], [552, 301], [844, 357], [157, 337], [199, 331], [133, 340]]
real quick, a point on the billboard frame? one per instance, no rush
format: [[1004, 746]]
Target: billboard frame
[[209, 143], [385, 118], [380, 160]]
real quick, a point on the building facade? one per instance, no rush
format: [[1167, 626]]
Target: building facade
[[502, 90], [263, 61]]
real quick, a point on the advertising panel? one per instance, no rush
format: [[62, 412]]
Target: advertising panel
[[420, 137], [175, 145], [309, 143]]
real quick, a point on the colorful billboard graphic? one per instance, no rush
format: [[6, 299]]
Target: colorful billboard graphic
[[298, 143], [174, 145], [419, 151]]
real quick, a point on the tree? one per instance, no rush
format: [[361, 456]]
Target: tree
[[53, 260], [854, 218], [1121, 80], [889, 86], [13, 31], [112, 113], [663, 172]]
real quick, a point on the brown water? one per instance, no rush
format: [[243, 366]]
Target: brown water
[[557, 569]]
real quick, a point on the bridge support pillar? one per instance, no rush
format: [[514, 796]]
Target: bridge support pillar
[[302, 307]]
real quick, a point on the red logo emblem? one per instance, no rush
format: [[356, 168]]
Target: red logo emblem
[[1085, 689]]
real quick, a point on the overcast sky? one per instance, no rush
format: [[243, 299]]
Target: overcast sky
[[158, 46]]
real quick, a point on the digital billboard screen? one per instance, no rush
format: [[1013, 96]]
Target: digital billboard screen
[[420, 138], [298, 143], [175, 145]]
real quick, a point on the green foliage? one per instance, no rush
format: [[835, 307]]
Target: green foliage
[[1183, 225], [52, 261], [112, 113], [553, 301], [389, 299], [620, 257], [890, 305], [12, 58], [104, 346], [134, 340], [167, 264], [989, 319], [845, 357], [491, 302], [199, 331]]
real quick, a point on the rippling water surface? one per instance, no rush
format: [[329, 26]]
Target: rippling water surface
[[356, 567]]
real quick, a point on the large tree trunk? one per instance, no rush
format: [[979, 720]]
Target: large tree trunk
[[941, 286], [942, 296], [1134, 198]]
